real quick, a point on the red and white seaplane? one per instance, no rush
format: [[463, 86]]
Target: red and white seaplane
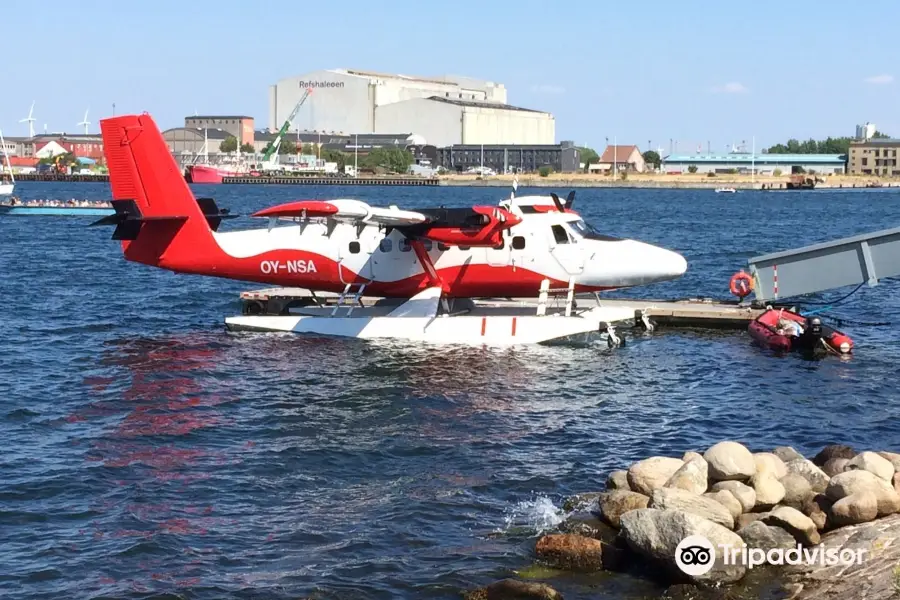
[[427, 266]]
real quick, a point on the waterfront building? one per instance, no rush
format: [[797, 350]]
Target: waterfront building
[[519, 158], [763, 164], [446, 110], [875, 156], [618, 159]]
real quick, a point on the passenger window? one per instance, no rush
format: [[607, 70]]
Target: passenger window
[[427, 245], [518, 243], [385, 245], [354, 247], [404, 245], [443, 247], [559, 234]]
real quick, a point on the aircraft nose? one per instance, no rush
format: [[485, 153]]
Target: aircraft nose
[[637, 263], [661, 264], [670, 264]]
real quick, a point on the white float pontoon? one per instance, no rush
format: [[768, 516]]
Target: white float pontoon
[[426, 317]]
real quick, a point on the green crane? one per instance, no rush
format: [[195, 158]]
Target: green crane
[[272, 146]]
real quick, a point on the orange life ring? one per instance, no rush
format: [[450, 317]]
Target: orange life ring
[[741, 284]]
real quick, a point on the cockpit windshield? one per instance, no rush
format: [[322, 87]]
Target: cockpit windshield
[[588, 232]]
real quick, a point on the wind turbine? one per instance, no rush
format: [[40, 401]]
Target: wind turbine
[[85, 122], [30, 120]]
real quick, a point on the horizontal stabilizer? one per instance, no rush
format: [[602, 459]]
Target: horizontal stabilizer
[[214, 215], [128, 220]]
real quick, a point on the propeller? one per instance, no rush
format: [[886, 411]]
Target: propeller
[[557, 202]]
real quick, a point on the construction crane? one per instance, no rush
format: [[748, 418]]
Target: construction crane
[[271, 150]]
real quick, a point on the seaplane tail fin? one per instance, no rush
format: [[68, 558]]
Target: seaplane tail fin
[[157, 218]]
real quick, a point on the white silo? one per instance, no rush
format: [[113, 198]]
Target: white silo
[[870, 131]]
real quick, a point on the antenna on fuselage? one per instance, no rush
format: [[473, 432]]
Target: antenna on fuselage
[[570, 199]]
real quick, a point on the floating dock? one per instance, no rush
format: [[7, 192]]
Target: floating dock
[[56, 211], [379, 181]]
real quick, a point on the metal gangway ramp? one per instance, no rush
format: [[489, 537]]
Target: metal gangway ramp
[[859, 259]]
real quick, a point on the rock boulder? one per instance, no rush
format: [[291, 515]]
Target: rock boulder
[[833, 451], [652, 473], [570, 552], [873, 463], [616, 503], [678, 499], [744, 493], [692, 476], [655, 534], [730, 461]]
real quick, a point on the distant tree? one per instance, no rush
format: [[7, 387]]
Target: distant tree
[[588, 156], [651, 157], [777, 172], [287, 147], [396, 160], [830, 145], [229, 144], [545, 171], [247, 148], [336, 156], [623, 175], [692, 168]]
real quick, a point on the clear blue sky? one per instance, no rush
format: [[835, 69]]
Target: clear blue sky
[[691, 71]]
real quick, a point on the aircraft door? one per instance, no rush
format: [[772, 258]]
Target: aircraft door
[[566, 250], [356, 256], [500, 257]]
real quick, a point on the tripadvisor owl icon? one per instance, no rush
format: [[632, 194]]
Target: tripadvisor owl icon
[[695, 555]]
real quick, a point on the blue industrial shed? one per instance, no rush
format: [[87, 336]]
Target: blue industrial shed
[[763, 163]]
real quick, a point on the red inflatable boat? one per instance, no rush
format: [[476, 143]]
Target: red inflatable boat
[[782, 329]]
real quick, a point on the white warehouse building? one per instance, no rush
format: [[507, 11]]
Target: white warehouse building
[[444, 110]]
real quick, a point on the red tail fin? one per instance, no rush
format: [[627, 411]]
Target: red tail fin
[[169, 228]]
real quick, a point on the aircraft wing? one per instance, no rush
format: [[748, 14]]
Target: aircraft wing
[[348, 210]]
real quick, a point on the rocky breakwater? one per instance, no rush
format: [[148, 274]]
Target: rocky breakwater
[[829, 525]]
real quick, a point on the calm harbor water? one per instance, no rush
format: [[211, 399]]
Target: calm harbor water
[[150, 454]]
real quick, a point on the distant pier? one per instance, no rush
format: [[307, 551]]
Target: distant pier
[[249, 180], [61, 177]]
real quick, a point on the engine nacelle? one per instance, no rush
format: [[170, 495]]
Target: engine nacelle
[[480, 226]]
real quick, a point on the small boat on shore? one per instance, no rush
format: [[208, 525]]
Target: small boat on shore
[[71, 208], [784, 330]]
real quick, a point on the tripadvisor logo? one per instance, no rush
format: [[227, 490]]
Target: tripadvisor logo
[[695, 555]]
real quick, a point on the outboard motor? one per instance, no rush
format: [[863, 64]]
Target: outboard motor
[[815, 327]]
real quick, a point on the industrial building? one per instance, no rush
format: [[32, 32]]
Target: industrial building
[[745, 162], [561, 158], [361, 144], [875, 156], [444, 110], [240, 127], [191, 141]]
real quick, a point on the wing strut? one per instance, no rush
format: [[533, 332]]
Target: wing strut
[[427, 263]]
